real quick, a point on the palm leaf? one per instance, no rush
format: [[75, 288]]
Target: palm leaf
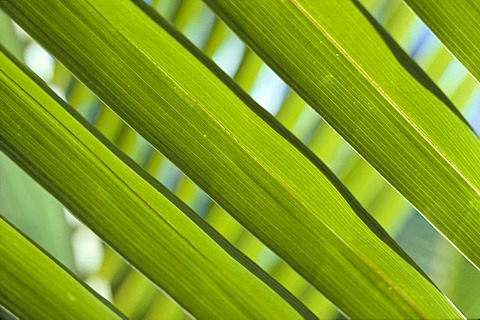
[[341, 74], [457, 25], [35, 286], [279, 198], [137, 297], [116, 201]]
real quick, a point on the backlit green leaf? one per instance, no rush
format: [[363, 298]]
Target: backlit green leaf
[[457, 25], [143, 221], [332, 56], [235, 151], [34, 286]]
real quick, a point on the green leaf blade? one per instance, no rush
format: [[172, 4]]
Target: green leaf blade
[[330, 54], [39, 215], [151, 228], [33, 286], [237, 153], [456, 24]]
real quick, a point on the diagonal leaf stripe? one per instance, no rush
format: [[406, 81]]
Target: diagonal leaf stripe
[[144, 222], [34, 286], [457, 25], [235, 152], [333, 57]]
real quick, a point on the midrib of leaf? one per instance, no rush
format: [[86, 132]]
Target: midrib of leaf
[[384, 94]]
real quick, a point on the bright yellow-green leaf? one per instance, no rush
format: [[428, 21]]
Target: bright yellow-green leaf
[[143, 221], [234, 150], [457, 24], [331, 55]]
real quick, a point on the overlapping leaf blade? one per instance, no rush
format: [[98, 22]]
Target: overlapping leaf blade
[[151, 228], [239, 155], [333, 57], [34, 286], [32, 210], [457, 25]]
